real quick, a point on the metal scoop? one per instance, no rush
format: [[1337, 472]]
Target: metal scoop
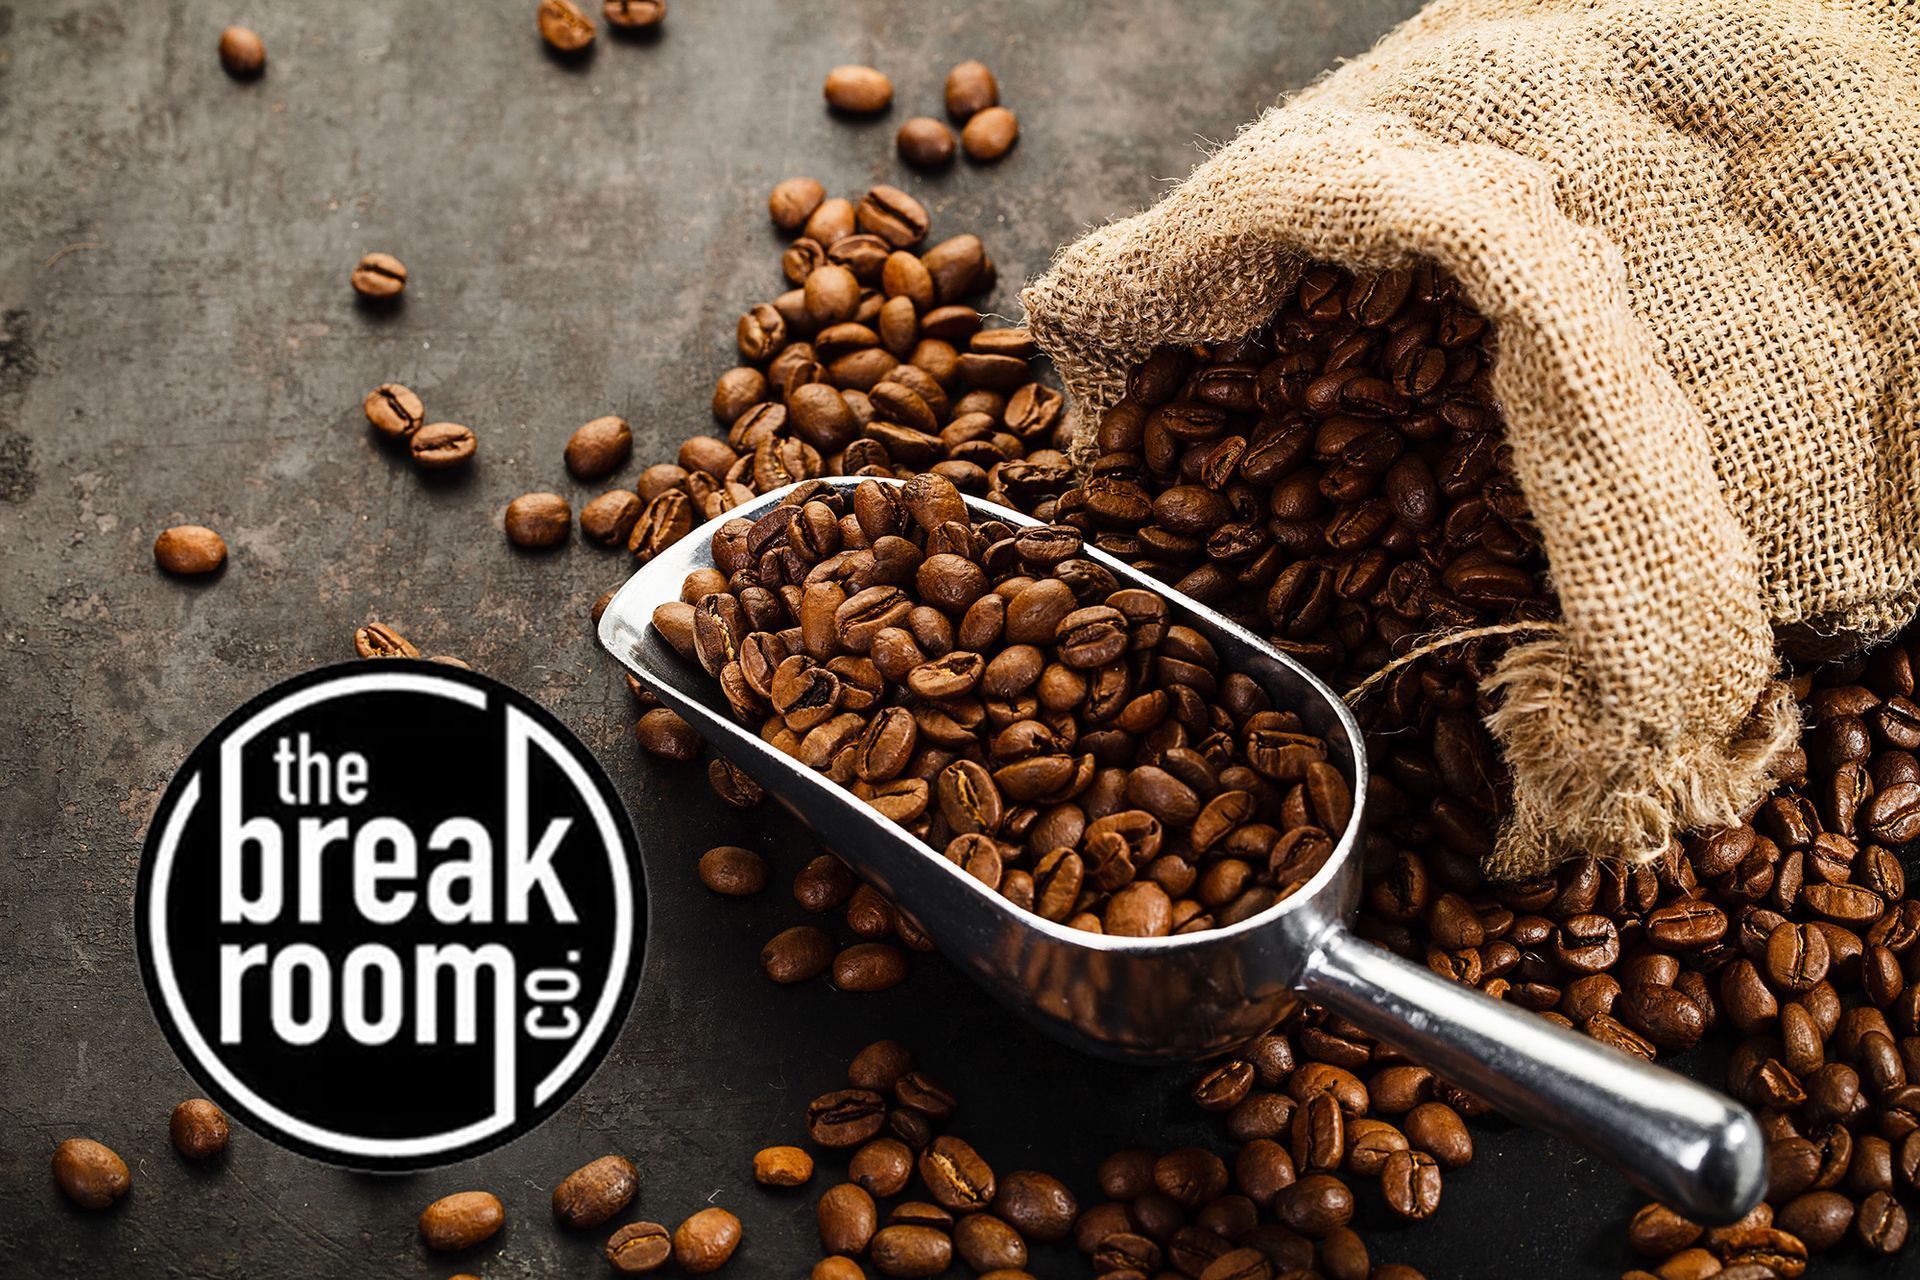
[[1195, 995]]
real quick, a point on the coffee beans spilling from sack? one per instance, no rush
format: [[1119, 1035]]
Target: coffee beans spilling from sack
[[1006, 700]]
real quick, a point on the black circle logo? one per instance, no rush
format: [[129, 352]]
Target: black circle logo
[[391, 914]]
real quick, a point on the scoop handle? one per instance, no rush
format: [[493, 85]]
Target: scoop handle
[[1682, 1143]]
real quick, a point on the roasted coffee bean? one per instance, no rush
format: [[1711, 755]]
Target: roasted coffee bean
[[1436, 1128], [970, 89], [956, 1175], [461, 1220], [634, 15], [599, 447], [379, 277], [705, 1241], [441, 446], [911, 1251], [796, 954], [782, 1167], [663, 733], [731, 870], [858, 90], [378, 640], [793, 201], [880, 1065], [393, 410], [883, 1166], [989, 134], [847, 1219], [1410, 1181], [538, 520], [987, 1244], [595, 1192], [639, 1247], [242, 53], [845, 1117], [198, 1129], [189, 550], [1037, 1205], [91, 1175], [869, 966], [1319, 1202], [925, 143]]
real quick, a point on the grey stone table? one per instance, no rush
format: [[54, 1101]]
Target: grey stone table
[[177, 342]]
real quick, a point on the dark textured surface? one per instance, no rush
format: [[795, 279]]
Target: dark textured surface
[[178, 342]]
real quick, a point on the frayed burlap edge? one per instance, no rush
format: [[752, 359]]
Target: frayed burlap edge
[[1541, 708]]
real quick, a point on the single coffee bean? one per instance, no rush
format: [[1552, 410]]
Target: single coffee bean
[[439, 446], [538, 520], [91, 1175], [1819, 1219], [796, 954], [925, 143], [733, 871], [1320, 1202], [598, 447], [970, 89], [847, 1219], [880, 1065], [461, 1220], [793, 201], [1037, 1205], [1881, 1224], [869, 966], [634, 15], [883, 1167], [379, 277], [609, 518], [782, 1167], [845, 1117], [198, 1129], [595, 1192], [1436, 1128], [858, 90], [956, 1175], [565, 26], [706, 1241], [242, 52], [911, 1251], [378, 640], [989, 134], [662, 733], [639, 1247], [189, 550], [1410, 1181], [393, 410]]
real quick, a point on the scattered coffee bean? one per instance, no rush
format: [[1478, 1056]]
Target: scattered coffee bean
[[782, 1167], [792, 203], [635, 15], [378, 640], [461, 1220], [565, 25], [663, 733], [599, 447], [198, 1129], [796, 954], [379, 276], [639, 1247], [242, 52], [970, 90], [595, 1192], [925, 143], [439, 446], [189, 550], [706, 1241], [91, 1175], [846, 1218], [989, 135], [609, 518], [538, 520], [394, 411], [858, 90], [733, 871]]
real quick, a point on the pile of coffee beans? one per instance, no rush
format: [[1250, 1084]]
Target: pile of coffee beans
[[1006, 700]]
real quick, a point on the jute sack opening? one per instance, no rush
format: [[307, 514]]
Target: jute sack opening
[[1695, 227]]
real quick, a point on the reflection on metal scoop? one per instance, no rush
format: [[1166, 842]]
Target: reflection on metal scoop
[[1193, 995]]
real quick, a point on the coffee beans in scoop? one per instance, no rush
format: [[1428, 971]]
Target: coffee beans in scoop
[[1003, 698]]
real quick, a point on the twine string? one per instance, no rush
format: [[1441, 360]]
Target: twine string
[[1445, 640]]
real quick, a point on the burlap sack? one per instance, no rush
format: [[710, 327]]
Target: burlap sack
[[1695, 226]]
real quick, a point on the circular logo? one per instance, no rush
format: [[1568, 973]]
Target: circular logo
[[391, 914]]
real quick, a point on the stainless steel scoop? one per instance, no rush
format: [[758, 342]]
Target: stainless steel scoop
[[1200, 994]]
